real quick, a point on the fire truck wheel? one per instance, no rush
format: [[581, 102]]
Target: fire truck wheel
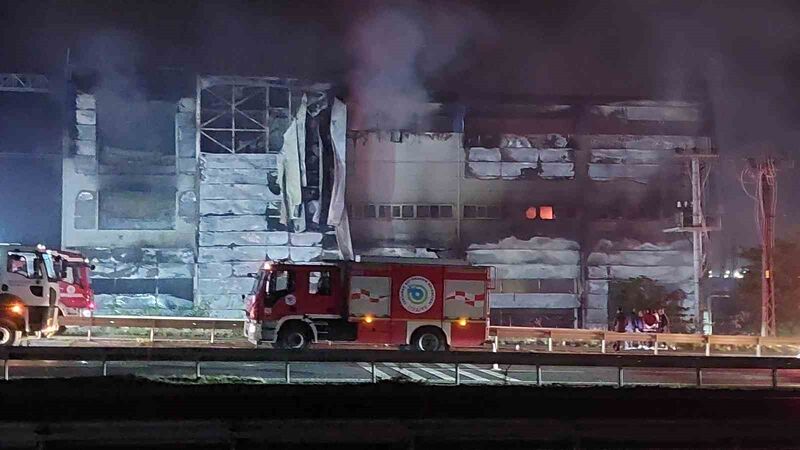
[[428, 339], [294, 336], [8, 333]]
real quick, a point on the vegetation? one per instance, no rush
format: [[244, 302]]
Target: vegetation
[[787, 288], [643, 293]]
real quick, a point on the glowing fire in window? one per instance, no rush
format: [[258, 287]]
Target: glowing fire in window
[[546, 213], [530, 213]]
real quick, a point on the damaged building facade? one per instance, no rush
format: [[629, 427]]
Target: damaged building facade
[[177, 206], [562, 198], [178, 200]]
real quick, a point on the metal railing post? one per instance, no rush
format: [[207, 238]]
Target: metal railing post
[[197, 369], [374, 374], [152, 334], [699, 380], [620, 376], [495, 346], [288, 373], [5, 370], [774, 377], [105, 368], [603, 344], [213, 333], [708, 346], [89, 334], [758, 349], [549, 343], [539, 375]]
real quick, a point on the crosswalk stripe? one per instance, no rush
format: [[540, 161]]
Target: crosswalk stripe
[[434, 372], [491, 373], [378, 372], [405, 372], [466, 374]]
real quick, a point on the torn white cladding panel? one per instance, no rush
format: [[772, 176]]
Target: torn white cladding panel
[[638, 158], [480, 154], [528, 157], [651, 111], [265, 171], [538, 301], [538, 273]]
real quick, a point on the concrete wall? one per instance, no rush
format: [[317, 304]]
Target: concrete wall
[[144, 270]]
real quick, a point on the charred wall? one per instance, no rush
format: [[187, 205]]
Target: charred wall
[[561, 197]]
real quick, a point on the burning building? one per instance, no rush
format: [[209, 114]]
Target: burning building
[[177, 197]]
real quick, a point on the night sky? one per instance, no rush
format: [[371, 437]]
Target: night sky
[[744, 55]]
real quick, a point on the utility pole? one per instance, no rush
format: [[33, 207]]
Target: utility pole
[[697, 233], [698, 228], [766, 198], [769, 194]]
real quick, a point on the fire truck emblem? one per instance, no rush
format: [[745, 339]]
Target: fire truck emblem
[[290, 300], [417, 295]]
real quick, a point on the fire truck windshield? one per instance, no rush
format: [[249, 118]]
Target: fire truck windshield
[[261, 281], [49, 267], [74, 274]]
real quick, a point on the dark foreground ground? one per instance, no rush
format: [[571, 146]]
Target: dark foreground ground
[[134, 413]]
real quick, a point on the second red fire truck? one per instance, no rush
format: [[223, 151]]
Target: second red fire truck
[[76, 297], [430, 305]]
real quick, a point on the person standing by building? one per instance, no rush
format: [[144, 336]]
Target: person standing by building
[[619, 326]]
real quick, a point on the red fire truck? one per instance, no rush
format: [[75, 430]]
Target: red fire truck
[[430, 305], [76, 297]]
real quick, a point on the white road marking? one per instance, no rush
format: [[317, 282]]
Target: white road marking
[[405, 372], [466, 374], [378, 372], [434, 372], [492, 373]]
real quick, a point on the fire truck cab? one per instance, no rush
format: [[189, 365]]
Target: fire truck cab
[[76, 297], [430, 305], [28, 292]]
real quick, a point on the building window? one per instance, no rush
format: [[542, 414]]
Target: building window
[[136, 207], [407, 212], [86, 210], [481, 212], [545, 212]]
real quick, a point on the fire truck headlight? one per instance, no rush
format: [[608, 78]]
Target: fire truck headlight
[[462, 322], [368, 319], [17, 309], [86, 313]]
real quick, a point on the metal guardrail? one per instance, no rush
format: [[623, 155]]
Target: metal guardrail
[[153, 323], [456, 359], [499, 334], [551, 335]]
